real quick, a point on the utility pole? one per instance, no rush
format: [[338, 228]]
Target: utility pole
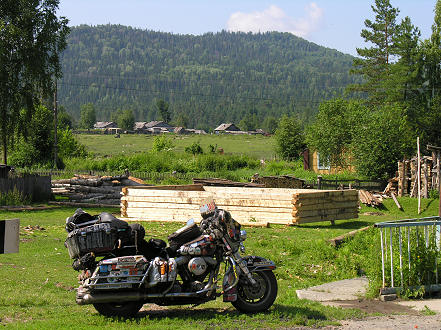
[[55, 125]]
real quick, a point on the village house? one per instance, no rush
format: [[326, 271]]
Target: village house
[[312, 161], [228, 128], [105, 125]]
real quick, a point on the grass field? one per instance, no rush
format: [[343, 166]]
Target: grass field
[[36, 290], [257, 146]]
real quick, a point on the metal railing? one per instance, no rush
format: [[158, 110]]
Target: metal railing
[[418, 245]]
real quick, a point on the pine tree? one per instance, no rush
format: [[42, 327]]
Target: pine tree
[[375, 61]]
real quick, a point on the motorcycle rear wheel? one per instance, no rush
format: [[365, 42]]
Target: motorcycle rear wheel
[[257, 299], [126, 309]]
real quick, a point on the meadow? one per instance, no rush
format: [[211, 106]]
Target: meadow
[[256, 146], [37, 287]]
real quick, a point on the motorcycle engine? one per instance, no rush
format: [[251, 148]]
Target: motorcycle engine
[[197, 266]]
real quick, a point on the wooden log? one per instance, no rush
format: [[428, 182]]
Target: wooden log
[[324, 194], [340, 239], [100, 190], [396, 201], [84, 204], [91, 182]]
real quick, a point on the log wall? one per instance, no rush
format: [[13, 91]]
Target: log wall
[[249, 206]]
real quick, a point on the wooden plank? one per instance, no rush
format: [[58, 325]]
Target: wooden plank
[[230, 208], [203, 194], [248, 224], [244, 190], [316, 201], [187, 214], [324, 194], [396, 201], [187, 187], [220, 202], [335, 205], [324, 212], [299, 220]]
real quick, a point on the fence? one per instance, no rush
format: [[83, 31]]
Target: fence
[[410, 250], [325, 184], [33, 187]]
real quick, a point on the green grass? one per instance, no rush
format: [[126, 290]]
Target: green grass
[[36, 287], [256, 146]]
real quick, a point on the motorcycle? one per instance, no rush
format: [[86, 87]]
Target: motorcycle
[[184, 272]]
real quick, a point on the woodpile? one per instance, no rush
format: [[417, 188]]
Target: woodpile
[[429, 176], [370, 199], [224, 183], [88, 189], [249, 206], [281, 181]]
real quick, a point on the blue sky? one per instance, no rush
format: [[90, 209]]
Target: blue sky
[[331, 23]]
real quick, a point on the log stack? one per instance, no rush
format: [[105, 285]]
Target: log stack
[[249, 206], [90, 189]]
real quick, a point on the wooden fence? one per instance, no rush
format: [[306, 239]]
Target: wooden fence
[[35, 188]]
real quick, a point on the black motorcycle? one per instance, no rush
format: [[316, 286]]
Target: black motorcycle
[[133, 271]]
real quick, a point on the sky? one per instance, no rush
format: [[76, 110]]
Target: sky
[[331, 23]]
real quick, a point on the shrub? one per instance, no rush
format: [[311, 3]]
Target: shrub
[[194, 149], [162, 143]]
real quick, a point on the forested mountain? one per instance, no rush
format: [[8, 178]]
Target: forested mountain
[[206, 79]]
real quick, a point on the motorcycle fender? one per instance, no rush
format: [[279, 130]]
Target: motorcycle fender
[[256, 263]]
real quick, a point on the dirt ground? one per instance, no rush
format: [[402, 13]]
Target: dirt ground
[[395, 316]]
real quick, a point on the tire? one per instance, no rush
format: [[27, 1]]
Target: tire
[[126, 309], [257, 299]]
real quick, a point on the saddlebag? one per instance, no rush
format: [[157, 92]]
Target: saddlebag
[[183, 235], [98, 238]]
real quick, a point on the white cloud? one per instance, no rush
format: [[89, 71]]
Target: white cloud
[[275, 19]]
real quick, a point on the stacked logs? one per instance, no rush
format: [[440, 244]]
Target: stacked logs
[[249, 206], [314, 205], [90, 189]]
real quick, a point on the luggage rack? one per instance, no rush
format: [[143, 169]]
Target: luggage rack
[[121, 281]]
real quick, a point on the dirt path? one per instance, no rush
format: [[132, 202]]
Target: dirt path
[[432, 322]]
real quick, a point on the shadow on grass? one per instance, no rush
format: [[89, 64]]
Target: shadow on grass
[[205, 314], [341, 225]]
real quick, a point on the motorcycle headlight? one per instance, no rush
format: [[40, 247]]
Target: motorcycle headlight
[[243, 235]]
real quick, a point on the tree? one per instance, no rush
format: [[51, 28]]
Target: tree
[[64, 119], [289, 138], [88, 116], [36, 147], [270, 124], [31, 40], [332, 132], [126, 120], [373, 63], [382, 139], [163, 110]]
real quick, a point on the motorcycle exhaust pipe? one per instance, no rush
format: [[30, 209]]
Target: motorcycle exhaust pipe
[[99, 298]]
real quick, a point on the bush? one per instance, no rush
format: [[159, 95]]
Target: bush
[[289, 138], [194, 149], [162, 143]]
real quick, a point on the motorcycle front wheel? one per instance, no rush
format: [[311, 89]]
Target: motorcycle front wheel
[[256, 299], [126, 309]]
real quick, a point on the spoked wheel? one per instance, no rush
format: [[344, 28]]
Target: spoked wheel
[[126, 309], [255, 299]]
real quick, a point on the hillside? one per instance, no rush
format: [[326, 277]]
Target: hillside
[[207, 79]]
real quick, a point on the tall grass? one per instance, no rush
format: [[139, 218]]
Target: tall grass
[[13, 197]]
